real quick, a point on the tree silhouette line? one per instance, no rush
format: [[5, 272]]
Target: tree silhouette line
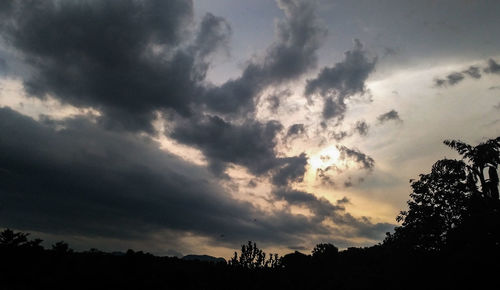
[[448, 237]]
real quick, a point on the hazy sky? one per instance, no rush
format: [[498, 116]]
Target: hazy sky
[[180, 127]]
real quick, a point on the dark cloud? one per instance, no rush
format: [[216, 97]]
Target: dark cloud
[[455, 78], [295, 130], [133, 61], [121, 57], [3, 66], [252, 183], [342, 81], [250, 144], [322, 209], [473, 71], [214, 33], [273, 103], [334, 107], [493, 67], [361, 127], [344, 200], [292, 170], [389, 116], [85, 181], [439, 82], [340, 135], [365, 161], [451, 79], [324, 177], [293, 53]]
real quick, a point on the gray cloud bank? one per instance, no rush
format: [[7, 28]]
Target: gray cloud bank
[[124, 187], [131, 60]]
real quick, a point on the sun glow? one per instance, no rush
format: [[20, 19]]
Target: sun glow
[[324, 158]]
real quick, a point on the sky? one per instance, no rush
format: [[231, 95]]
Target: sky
[[190, 127]]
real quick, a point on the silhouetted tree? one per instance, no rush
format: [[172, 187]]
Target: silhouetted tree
[[10, 239], [438, 203], [61, 248], [251, 257], [295, 261], [444, 199], [325, 254], [478, 158]]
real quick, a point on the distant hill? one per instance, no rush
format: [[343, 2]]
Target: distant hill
[[204, 258]]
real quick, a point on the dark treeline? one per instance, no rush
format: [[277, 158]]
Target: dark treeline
[[449, 237]]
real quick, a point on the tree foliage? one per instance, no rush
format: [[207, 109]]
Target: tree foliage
[[448, 197], [12, 240], [478, 158], [251, 257]]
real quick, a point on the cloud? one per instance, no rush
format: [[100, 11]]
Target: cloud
[[340, 135], [392, 115], [325, 179], [250, 144], [86, 181], [295, 130], [439, 82], [320, 207], [299, 36], [292, 170], [274, 102], [158, 63], [121, 57], [214, 33], [3, 66], [473, 71], [455, 78], [82, 179], [493, 67], [322, 210], [135, 61], [342, 81], [357, 156], [361, 127]]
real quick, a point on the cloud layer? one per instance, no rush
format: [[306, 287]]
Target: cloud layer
[[137, 62]]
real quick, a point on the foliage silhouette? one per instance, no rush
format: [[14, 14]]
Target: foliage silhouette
[[251, 257], [455, 193], [484, 155]]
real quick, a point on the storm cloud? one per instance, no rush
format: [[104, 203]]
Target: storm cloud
[[120, 57], [250, 144], [342, 81], [81, 179]]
